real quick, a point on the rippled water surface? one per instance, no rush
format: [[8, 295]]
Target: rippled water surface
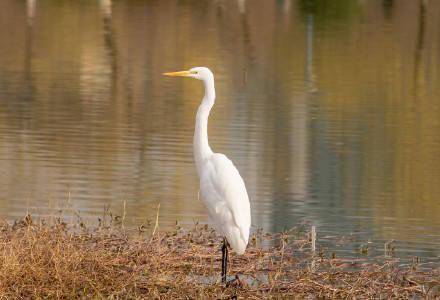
[[330, 110]]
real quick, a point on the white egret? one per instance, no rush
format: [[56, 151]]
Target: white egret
[[222, 189]]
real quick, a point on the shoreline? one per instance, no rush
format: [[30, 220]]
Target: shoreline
[[51, 259]]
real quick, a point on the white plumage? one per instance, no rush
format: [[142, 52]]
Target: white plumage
[[222, 189], [223, 192]]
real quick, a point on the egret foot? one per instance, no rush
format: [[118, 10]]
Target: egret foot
[[236, 282]]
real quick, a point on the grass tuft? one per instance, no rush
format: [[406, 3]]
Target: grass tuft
[[41, 260]]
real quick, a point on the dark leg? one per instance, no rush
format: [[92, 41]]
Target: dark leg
[[224, 259]]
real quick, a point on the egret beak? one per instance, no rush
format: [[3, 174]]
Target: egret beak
[[180, 73]]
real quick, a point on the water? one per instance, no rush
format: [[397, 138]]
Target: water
[[330, 110]]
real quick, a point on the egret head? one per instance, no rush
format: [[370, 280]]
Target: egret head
[[200, 73]]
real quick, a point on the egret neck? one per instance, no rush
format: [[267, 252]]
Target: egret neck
[[202, 150]]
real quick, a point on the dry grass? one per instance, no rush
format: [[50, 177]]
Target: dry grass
[[41, 260]]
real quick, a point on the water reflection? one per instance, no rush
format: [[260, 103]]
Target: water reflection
[[329, 109], [30, 11]]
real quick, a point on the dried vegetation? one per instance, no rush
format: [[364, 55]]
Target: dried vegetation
[[56, 260]]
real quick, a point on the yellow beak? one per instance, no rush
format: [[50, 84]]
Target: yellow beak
[[180, 73]]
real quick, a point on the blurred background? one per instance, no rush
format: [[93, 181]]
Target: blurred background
[[329, 109]]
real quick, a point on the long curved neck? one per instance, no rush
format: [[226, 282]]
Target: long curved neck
[[200, 142]]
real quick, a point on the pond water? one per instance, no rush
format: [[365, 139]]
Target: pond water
[[329, 109]]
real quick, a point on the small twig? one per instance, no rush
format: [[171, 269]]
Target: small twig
[[313, 241], [313, 237], [124, 214], [157, 221]]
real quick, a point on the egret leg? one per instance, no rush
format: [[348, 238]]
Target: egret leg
[[224, 260]]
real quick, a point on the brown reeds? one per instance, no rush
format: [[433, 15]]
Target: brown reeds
[[40, 260]]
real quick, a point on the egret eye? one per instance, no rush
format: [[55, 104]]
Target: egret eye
[[194, 72]]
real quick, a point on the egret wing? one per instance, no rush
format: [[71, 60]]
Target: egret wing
[[224, 193]]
